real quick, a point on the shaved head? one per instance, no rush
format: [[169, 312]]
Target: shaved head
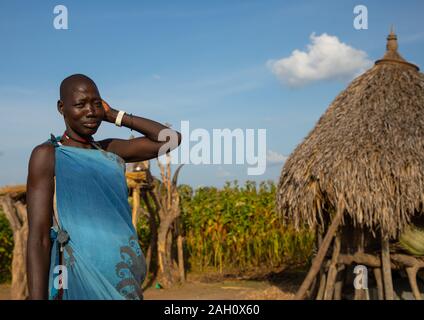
[[80, 105], [72, 83]]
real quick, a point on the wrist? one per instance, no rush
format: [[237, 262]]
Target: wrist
[[111, 115]]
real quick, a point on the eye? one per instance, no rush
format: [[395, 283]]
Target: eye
[[79, 104]]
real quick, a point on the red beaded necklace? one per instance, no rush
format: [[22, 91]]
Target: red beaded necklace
[[82, 140]]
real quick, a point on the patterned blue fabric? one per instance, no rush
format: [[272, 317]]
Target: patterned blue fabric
[[96, 238]]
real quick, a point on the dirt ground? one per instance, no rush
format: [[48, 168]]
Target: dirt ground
[[269, 287], [226, 290], [4, 292]]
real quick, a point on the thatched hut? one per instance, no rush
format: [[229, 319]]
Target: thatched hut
[[357, 179]]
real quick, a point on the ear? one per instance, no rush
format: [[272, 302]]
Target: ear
[[60, 106]]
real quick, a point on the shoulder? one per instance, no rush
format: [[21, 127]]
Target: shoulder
[[42, 158], [113, 145], [43, 150], [105, 144]]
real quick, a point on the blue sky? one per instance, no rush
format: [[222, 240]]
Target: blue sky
[[205, 62]]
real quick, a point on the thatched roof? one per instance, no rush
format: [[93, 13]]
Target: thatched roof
[[365, 154]]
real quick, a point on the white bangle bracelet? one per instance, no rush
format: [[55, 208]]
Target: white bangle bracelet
[[119, 118]]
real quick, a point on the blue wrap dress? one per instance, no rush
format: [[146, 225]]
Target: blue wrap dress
[[95, 250]]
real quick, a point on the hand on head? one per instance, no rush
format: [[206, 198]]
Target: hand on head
[[105, 105]]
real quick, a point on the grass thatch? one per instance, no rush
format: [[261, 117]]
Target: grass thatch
[[366, 152]]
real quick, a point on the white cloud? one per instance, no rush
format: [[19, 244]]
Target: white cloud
[[274, 158], [326, 58]]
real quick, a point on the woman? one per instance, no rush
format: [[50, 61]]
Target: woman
[[81, 242]]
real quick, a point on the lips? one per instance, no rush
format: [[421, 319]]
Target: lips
[[91, 124]]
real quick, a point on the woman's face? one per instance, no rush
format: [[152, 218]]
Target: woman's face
[[82, 108]]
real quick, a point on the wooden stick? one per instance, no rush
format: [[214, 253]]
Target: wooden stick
[[408, 261], [379, 282], [338, 286], [387, 271], [313, 289], [321, 289], [361, 294], [362, 258], [367, 294], [136, 204], [316, 263], [322, 277], [396, 260], [412, 277], [180, 247], [332, 272]]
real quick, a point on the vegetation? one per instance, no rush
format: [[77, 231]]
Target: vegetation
[[6, 248], [235, 228]]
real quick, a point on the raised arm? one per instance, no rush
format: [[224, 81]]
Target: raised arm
[[40, 190], [157, 139]]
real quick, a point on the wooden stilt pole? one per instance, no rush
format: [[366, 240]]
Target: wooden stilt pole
[[321, 279], [387, 270], [332, 271], [379, 282], [412, 277], [311, 293], [338, 286], [316, 263], [322, 282], [360, 294]]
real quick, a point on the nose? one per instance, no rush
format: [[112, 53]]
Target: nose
[[91, 110]]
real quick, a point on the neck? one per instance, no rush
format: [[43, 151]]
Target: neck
[[77, 140]]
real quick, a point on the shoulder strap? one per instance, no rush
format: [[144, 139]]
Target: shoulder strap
[[55, 215], [53, 140], [97, 145]]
